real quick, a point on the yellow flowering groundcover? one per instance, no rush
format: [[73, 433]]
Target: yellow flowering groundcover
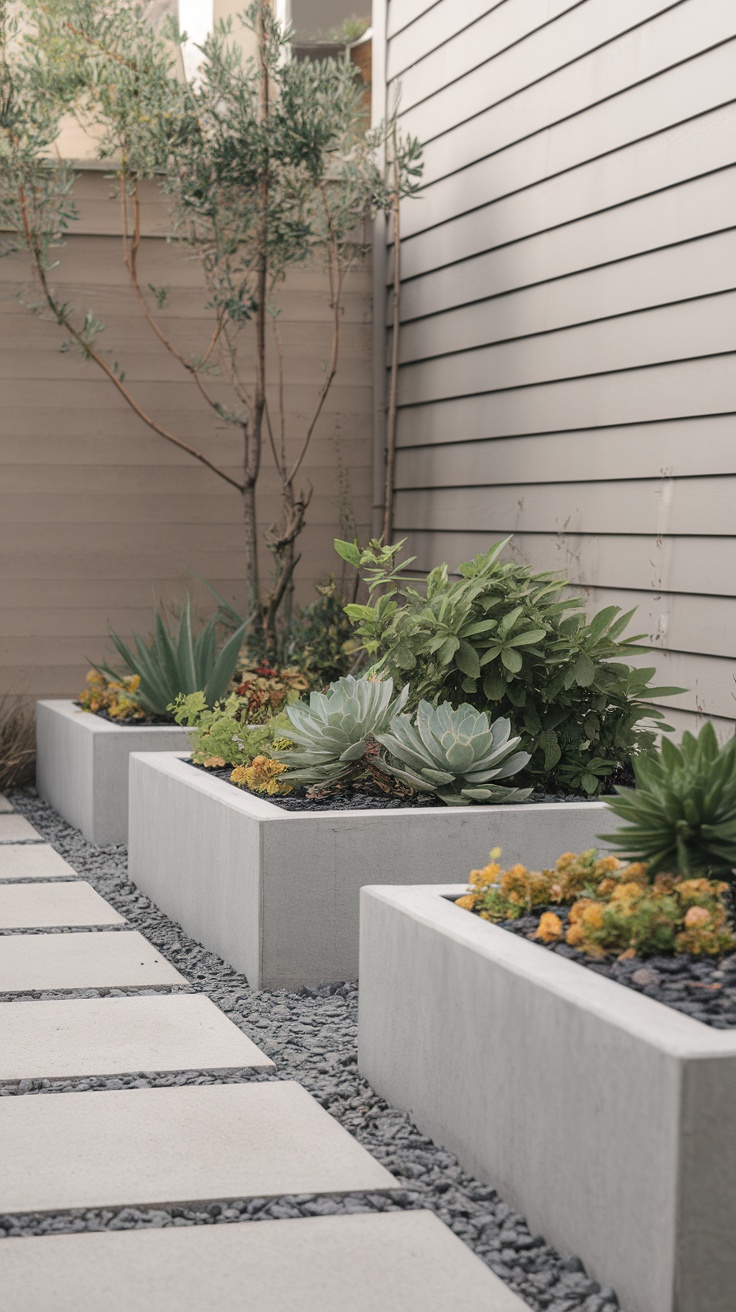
[[117, 697], [610, 906]]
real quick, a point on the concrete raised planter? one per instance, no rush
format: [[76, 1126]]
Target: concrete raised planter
[[82, 766], [605, 1117], [276, 893]]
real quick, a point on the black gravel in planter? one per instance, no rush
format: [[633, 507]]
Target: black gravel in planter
[[150, 721], [701, 987], [348, 800], [358, 799], [311, 1035]]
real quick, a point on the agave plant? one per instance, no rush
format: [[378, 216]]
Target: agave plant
[[179, 663], [681, 817], [457, 753], [335, 730]]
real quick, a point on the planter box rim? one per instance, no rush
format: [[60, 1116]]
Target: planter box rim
[[96, 723], [643, 1018], [264, 810]]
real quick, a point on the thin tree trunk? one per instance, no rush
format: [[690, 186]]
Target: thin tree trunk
[[255, 436], [251, 548], [388, 496]]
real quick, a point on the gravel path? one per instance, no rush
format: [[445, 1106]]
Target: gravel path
[[311, 1035]]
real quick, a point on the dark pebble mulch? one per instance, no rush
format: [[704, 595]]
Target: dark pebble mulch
[[356, 800], [348, 800], [150, 721], [311, 1035], [701, 987]]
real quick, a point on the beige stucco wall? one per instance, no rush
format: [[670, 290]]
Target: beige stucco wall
[[99, 517]]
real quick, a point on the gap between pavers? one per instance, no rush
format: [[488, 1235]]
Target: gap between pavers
[[5, 804], [115, 1036], [33, 861], [391, 1262], [43, 906], [177, 1145], [16, 829], [35, 963]]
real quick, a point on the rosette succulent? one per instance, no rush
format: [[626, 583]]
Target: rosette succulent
[[681, 817], [459, 754], [336, 729]]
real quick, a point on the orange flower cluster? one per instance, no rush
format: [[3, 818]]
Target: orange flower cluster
[[613, 906], [115, 696], [261, 776]]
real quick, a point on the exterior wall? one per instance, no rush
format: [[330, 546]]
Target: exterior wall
[[100, 517], [568, 330]]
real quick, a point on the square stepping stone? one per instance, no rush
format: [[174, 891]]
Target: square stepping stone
[[390, 1262], [33, 861], [113, 1036], [4, 803], [177, 1145], [37, 962], [39, 906], [16, 829]]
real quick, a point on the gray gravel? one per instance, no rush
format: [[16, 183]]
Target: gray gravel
[[311, 1035]]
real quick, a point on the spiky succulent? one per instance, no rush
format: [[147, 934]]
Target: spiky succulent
[[335, 730], [458, 754], [681, 817]]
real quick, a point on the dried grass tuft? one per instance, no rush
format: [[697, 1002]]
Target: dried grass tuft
[[17, 743]]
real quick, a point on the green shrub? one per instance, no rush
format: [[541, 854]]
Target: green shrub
[[681, 817], [322, 641], [458, 754], [506, 639], [171, 664]]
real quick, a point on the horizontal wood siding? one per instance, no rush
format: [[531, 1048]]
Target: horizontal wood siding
[[99, 517], [568, 307]]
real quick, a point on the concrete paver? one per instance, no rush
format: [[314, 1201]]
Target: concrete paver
[[123, 959], [111, 1036], [175, 1145], [4, 803], [33, 861], [41, 906], [390, 1262], [16, 829]]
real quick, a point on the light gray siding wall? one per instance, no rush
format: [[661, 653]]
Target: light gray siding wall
[[568, 343]]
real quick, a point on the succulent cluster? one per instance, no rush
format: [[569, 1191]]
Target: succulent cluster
[[333, 733], [681, 817], [459, 754]]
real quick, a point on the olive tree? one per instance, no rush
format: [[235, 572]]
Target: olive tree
[[266, 165]]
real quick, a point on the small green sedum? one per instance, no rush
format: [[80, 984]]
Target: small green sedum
[[459, 754]]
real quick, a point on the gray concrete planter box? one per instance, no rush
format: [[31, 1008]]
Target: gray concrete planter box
[[277, 893], [604, 1116], [82, 766]]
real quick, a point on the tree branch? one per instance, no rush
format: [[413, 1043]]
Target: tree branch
[[130, 253], [63, 320]]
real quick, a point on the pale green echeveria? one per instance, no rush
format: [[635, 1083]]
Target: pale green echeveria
[[332, 731], [459, 754]]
